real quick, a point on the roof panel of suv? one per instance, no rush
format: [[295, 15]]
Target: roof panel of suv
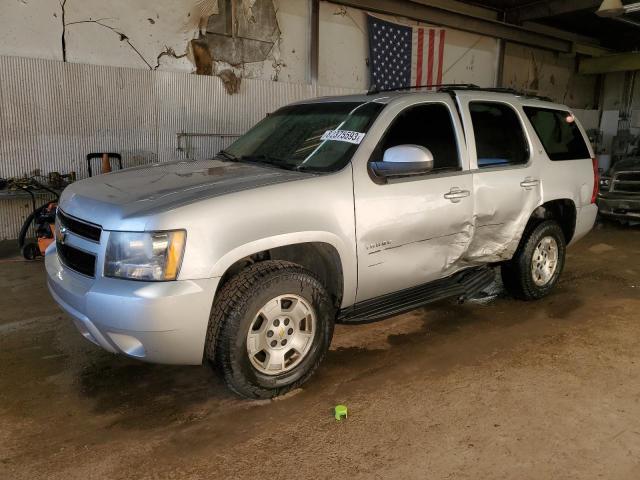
[[382, 97], [387, 97]]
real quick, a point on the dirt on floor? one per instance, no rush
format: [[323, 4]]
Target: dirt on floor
[[504, 389]]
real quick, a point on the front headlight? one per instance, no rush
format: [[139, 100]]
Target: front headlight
[[150, 256]]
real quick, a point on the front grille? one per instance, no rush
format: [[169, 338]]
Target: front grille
[[81, 262], [628, 177], [82, 229], [626, 182]]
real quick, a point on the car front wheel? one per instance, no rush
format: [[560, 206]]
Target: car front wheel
[[270, 327]]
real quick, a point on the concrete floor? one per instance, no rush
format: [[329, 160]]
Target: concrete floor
[[549, 389]]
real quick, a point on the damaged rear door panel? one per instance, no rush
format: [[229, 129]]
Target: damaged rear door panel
[[505, 171]]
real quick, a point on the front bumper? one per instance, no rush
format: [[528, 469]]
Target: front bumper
[[619, 206], [159, 322]]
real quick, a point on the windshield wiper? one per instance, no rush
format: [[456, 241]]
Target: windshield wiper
[[269, 160], [266, 159], [304, 168], [227, 156]]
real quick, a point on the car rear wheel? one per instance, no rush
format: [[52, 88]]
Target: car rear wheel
[[536, 266], [270, 327]]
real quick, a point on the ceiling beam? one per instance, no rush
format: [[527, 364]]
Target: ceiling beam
[[556, 32], [590, 50], [462, 21], [622, 62], [548, 8], [462, 7], [581, 44]]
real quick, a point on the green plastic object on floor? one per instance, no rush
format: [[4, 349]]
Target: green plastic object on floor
[[340, 411]]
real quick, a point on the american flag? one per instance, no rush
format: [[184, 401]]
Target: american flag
[[403, 56]]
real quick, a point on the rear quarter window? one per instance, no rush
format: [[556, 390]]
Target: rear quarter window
[[558, 133], [499, 134]]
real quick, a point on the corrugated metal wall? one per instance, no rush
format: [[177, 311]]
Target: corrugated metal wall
[[53, 114]]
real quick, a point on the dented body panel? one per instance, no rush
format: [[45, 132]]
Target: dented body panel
[[504, 196]]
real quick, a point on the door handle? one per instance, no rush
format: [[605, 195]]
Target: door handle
[[528, 183], [455, 194]]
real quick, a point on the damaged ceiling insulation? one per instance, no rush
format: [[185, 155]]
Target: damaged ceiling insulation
[[241, 32]]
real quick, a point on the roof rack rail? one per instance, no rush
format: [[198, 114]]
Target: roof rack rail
[[375, 90], [452, 87], [512, 91]]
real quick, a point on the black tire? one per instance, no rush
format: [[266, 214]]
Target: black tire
[[516, 274], [27, 224], [236, 306], [30, 251]]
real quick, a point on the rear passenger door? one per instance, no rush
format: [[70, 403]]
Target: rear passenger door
[[506, 174]]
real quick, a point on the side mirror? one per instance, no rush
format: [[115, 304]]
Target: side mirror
[[403, 160]]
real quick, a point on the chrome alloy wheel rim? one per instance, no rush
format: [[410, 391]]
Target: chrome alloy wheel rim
[[281, 334], [545, 261]]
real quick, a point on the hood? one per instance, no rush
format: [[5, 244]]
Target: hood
[[110, 200]]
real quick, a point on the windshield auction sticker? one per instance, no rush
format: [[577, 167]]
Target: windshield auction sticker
[[343, 136]]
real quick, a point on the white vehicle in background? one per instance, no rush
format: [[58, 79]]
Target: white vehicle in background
[[343, 209]]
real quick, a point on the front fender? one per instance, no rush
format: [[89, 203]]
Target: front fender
[[347, 260]]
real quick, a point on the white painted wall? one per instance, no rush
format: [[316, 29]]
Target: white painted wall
[[30, 29], [549, 74], [33, 28], [344, 48], [293, 52]]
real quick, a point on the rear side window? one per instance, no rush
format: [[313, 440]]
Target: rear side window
[[500, 139], [558, 132]]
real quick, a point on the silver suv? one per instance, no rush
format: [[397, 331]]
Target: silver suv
[[343, 209]]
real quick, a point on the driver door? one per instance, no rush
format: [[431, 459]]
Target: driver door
[[414, 229]]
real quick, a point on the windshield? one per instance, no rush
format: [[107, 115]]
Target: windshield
[[315, 136]]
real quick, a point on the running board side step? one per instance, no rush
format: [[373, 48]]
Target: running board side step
[[464, 284]]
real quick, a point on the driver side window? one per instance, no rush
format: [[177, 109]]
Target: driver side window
[[427, 125]]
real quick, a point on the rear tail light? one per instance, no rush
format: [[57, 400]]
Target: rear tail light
[[596, 180]]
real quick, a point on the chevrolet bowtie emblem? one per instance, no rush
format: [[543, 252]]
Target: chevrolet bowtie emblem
[[62, 235]]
